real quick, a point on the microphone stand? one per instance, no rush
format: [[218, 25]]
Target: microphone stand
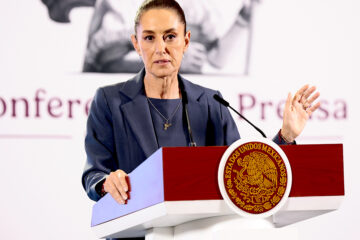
[[226, 104]]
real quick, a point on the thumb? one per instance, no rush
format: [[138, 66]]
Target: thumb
[[288, 101]]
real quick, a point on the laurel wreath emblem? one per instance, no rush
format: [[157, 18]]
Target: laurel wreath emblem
[[258, 181]]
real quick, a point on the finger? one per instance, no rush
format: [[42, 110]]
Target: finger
[[193, 64], [299, 107], [124, 183], [288, 101], [196, 65], [303, 96], [199, 47], [193, 69], [313, 98], [112, 189], [195, 61], [200, 57], [305, 106], [118, 181], [313, 108], [299, 93], [115, 183], [195, 55], [308, 92]]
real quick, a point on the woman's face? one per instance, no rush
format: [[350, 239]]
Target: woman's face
[[160, 41]]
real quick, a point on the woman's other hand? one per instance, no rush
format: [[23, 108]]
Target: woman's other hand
[[116, 184], [297, 111]]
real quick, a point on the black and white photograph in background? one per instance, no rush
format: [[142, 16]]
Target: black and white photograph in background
[[220, 35]]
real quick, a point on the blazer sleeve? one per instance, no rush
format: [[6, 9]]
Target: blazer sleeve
[[278, 139], [99, 146]]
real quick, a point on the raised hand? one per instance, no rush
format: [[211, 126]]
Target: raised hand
[[297, 111]]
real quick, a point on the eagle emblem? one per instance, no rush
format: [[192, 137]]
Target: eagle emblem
[[255, 177]]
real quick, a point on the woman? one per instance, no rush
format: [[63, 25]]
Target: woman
[[212, 25], [130, 120]]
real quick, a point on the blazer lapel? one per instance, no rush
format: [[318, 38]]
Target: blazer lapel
[[137, 114], [197, 110]]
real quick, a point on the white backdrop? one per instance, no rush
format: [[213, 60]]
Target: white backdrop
[[41, 152]]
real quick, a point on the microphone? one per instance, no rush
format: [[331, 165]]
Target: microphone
[[226, 104]]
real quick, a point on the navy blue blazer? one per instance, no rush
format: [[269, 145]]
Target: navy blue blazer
[[120, 133]]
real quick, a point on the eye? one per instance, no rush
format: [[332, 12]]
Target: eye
[[170, 37], [149, 38]]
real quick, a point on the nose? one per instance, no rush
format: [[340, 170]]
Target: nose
[[160, 47]]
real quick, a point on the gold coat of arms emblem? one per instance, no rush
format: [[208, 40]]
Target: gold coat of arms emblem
[[255, 177]]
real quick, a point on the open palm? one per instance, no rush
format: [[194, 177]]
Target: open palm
[[297, 111]]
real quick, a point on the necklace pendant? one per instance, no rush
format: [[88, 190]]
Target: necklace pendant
[[167, 125]]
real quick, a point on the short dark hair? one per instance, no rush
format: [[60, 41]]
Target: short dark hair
[[159, 4]]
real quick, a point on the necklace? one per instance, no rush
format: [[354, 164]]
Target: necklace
[[167, 123]]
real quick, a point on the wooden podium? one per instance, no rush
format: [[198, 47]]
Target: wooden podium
[[175, 190]]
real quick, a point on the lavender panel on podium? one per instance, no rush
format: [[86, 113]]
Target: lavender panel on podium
[[147, 189]]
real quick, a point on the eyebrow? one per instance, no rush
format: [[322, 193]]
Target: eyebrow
[[152, 32]]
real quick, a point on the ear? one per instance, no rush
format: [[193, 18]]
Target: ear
[[187, 40], [135, 43]]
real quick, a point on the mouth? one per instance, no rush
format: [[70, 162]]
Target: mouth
[[162, 61]]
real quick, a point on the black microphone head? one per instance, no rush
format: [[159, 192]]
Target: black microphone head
[[221, 100]]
